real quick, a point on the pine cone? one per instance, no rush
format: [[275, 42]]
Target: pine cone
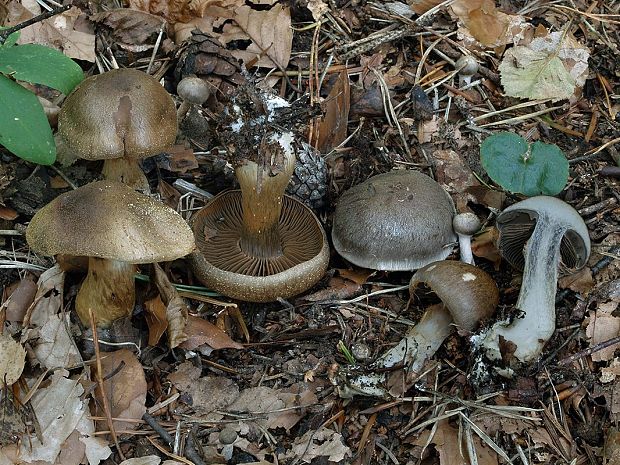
[[309, 181]]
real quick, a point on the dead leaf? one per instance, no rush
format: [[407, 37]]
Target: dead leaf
[[552, 67], [55, 346], [422, 6], [483, 21], [337, 289], [7, 213], [125, 387], [332, 128], [176, 310], [12, 359], [131, 29], [49, 298], [317, 8], [145, 460], [602, 327], [581, 281], [200, 331], [155, 315], [357, 275], [208, 393], [20, 299], [484, 245], [323, 442]]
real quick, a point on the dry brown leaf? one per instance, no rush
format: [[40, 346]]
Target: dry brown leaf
[[422, 6], [581, 281], [12, 359], [125, 387], [453, 173], [131, 29], [332, 128], [199, 331], [337, 289], [49, 298], [54, 347], [602, 327], [20, 299], [176, 310], [357, 275], [484, 245], [317, 8], [323, 442], [155, 315], [7, 213]]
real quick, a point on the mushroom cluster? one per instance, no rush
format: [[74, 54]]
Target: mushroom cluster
[[120, 116], [257, 244], [116, 228]]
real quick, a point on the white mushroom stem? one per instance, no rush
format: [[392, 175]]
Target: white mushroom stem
[[109, 290], [413, 351], [536, 299], [467, 255]]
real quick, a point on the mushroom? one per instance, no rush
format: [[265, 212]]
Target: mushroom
[[119, 116], [400, 220], [466, 66], [540, 235], [468, 295], [116, 228], [257, 244], [465, 225], [193, 91]]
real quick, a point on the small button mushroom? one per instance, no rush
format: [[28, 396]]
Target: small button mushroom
[[465, 225], [193, 91], [227, 438], [258, 244], [467, 66], [120, 116], [539, 235], [400, 220], [468, 294], [116, 228]]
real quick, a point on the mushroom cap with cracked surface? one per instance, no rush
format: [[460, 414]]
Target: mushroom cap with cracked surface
[[107, 219], [400, 220], [221, 264], [121, 113]]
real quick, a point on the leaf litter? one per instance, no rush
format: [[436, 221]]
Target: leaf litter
[[274, 393]]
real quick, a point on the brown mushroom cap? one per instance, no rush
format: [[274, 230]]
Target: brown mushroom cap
[[399, 220], [468, 292], [121, 113], [107, 219], [225, 267]]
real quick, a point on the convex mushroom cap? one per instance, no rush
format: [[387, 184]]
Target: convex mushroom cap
[[116, 228], [400, 220], [543, 236], [123, 114], [465, 225]]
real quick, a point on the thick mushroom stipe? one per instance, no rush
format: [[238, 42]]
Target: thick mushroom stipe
[[543, 235], [222, 262]]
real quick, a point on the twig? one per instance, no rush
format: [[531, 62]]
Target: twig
[[590, 350], [29, 22]]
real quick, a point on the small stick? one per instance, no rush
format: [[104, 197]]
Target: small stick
[[104, 399], [29, 22], [590, 350]]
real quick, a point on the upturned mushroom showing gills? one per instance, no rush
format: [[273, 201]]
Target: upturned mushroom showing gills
[[257, 244], [540, 235], [468, 295], [116, 228], [400, 220], [119, 116]]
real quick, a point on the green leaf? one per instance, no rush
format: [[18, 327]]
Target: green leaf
[[11, 39], [533, 169], [24, 129], [40, 65]]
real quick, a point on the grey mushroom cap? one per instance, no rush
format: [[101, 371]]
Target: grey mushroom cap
[[401, 220], [193, 89], [107, 219], [121, 113], [466, 223], [516, 224]]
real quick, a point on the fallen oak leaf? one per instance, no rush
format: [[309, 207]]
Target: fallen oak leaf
[[200, 332]]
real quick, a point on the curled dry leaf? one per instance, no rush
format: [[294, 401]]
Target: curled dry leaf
[[132, 30], [332, 128], [12, 359], [551, 67], [323, 442], [54, 347], [200, 331], [176, 310], [602, 327], [125, 388], [483, 21]]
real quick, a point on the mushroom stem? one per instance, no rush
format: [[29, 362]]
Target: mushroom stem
[[128, 171], [109, 289], [537, 297], [413, 351], [261, 203], [467, 255]]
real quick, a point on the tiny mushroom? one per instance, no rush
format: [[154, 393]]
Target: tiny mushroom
[[400, 220], [540, 235], [466, 66], [468, 295], [193, 91], [116, 228], [465, 226], [119, 116], [258, 244]]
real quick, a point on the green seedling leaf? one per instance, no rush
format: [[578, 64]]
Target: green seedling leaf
[[40, 65], [522, 168], [24, 129], [11, 39]]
